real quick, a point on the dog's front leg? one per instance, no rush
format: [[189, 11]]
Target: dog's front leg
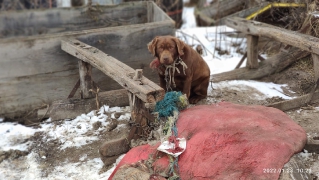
[[187, 87], [163, 82]]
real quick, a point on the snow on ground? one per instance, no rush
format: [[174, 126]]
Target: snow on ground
[[268, 90], [72, 133], [14, 136]]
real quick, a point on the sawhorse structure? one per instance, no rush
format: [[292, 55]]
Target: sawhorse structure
[[141, 91]]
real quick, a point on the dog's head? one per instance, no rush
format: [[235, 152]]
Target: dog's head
[[166, 48]]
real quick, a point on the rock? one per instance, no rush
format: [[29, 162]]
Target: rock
[[117, 114], [131, 173], [114, 147], [109, 160], [112, 125], [97, 125], [42, 154]]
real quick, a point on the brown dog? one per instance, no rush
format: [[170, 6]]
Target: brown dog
[[180, 67]]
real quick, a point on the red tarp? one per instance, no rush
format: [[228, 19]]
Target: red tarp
[[230, 141]]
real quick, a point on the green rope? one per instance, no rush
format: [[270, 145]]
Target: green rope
[[169, 108]]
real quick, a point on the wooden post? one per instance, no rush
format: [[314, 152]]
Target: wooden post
[[252, 52], [86, 82]]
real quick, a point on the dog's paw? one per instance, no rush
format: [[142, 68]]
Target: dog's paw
[[194, 100]]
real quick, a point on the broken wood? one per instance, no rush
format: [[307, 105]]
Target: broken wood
[[272, 65], [293, 38], [120, 72], [296, 102], [241, 61], [252, 52], [71, 108], [86, 83], [75, 88]]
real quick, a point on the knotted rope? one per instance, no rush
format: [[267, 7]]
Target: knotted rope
[[170, 73]]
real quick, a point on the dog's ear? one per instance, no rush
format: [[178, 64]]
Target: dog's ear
[[180, 46], [152, 45]]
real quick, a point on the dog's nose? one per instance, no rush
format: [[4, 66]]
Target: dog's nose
[[165, 59]]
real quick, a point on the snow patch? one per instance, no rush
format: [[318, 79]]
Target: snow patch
[[268, 89], [14, 136]]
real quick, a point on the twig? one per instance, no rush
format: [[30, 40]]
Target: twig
[[196, 40]]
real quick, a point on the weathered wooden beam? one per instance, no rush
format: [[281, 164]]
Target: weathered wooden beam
[[273, 64], [296, 102], [144, 89], [71, 108], [86, 83], [252, 52], [296, 39]]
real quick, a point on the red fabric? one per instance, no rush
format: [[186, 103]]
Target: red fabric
[[229, 141], [154, 64]]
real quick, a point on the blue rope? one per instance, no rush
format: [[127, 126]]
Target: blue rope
[[172, 101], [168, 105]]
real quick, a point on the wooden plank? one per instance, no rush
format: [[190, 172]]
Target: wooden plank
[[21, 95], [273, 64], [296, 102], [120, 72], [71, 108], [296, 39], [252, 52], [57, 20], [86, 83]]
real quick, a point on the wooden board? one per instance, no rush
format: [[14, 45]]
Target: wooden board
[[273, 64], [71, 108], [57, 20], [296, 39], [35, 71], [142, 87], [296, 102], [209, 16]]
